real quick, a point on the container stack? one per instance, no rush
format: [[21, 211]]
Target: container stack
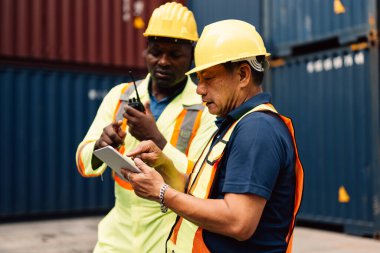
[[58, 59], [209, 11], [325, 75]]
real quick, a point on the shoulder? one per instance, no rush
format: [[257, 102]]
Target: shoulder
[[112, 95], [189, 95], [262, 119], [191, 87], [266, 122], [262, 128], [120, 88]]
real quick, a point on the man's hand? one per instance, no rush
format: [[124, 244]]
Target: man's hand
[[146, 184], [150, 153], [113, 136], [142, 126]]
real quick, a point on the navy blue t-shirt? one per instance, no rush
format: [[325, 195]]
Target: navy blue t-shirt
[[157, 107], [260, 160]]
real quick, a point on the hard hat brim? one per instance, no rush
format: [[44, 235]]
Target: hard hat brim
[[170, 36]]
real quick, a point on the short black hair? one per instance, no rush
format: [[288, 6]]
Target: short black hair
[[258, 76]]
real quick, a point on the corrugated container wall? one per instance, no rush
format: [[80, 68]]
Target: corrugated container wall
[[333, 97], [45, 114], [80, 31], [208, 11], [290, 23]]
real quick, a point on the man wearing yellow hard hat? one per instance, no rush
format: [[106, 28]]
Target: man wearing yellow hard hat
[[175, 119], [244, 192]]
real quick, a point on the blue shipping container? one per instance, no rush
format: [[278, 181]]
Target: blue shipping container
[[290, 23], [44, 115], [209, 11], [333, 99]]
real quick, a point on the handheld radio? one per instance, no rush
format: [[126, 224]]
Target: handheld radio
[[135, 102]]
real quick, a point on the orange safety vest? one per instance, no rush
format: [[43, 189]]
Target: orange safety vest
[[186, 126], [185, 236]]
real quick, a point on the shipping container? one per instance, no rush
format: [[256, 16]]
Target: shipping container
[[292, 23], [44, 116], [209, 11], [333, 99], [80, 31]]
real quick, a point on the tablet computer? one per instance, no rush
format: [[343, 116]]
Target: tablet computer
[[115, 160]]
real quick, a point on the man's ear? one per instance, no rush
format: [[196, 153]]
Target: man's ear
[[244, 74]]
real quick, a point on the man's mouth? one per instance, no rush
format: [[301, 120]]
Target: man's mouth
[[163, 74], [207, 102]]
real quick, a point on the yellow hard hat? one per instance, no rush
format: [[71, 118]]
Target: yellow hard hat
[[172, 20], [227, 40]]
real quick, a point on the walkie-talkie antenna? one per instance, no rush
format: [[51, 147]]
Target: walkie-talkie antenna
[[134, 83], [133, 102]]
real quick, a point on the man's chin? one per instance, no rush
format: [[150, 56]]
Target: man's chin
[[212, 108], [164, 83]]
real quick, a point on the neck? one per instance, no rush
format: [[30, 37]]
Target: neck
[[253, 91], [162, 92]]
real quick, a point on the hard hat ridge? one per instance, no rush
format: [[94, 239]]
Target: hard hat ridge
[[172, 20], [229, 41]]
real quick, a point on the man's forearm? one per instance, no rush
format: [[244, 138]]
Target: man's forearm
[[172, 176], [235, 216]]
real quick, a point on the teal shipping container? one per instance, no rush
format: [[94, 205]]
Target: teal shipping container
[[44, 115], [293, 23], [209, 11], [333, 98]]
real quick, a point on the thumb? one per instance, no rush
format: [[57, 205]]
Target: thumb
[[122, 126], [142, 166], [147, 108], [116, 125]]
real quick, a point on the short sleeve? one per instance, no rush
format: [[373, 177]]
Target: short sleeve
[[255, 154]]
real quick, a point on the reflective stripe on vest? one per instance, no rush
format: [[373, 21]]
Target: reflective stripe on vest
[[187, 237], [126, 93], [186, 125]]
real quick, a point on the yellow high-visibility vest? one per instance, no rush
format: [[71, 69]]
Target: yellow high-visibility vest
[[136, 224]]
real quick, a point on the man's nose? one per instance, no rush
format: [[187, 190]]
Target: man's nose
[[201, 89], [164, 60]]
